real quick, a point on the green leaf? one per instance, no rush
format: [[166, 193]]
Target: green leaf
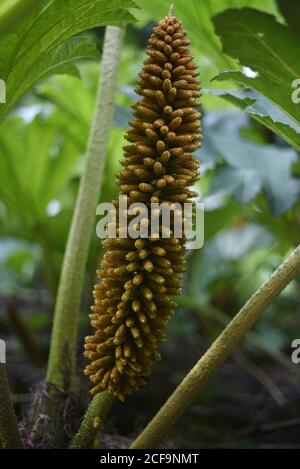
[[264, 111], [254, 167], [242, 183], [39, 173], [227, 246], [215, 125], [73, 101], [234, 243], [40, 45], [13, 11], [34, 170], [76, 98], [270, 50], [224, 216]]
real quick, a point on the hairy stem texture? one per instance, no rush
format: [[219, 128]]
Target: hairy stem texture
[[92, 421]]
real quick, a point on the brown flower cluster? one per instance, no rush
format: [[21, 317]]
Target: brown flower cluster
[[138, 277]]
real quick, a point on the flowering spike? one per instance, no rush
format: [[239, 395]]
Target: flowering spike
[[138, 277]]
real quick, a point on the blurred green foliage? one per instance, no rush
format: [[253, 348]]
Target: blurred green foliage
[[271, 52]]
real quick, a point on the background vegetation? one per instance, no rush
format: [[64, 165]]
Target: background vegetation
[[248, 54]]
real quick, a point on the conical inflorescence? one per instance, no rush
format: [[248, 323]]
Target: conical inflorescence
[[138, 277]]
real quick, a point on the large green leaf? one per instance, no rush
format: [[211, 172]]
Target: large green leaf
[[270, 50], [253, 168], [243, 167], [13, 11], [40, 45], [264, 111]]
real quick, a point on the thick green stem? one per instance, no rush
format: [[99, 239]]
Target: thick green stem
[[9, 433], [64, 336], [92, 421], [13, 11], [189, 388]]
